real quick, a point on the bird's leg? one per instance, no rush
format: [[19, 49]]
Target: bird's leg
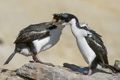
[[90, 72], [36, 59]]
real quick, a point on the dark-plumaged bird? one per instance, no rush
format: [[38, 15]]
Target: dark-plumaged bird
[[36, 38], [89, 42]]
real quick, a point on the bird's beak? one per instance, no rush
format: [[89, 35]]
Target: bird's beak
[[54, 20], [59, 20]]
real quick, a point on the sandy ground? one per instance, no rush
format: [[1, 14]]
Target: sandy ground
[[102, 15]]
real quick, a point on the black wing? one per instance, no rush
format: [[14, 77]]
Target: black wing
[[32, 32], [96, 43], [30, 36]]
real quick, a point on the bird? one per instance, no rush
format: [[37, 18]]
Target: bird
[[88, 41], [36, 38]]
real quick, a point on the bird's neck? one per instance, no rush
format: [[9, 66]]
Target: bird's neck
[[74, 23], [57, 31], [76, 28], [60, 28]]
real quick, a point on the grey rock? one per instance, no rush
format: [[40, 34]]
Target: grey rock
[[44, 72], [117, 64], [37, 71]]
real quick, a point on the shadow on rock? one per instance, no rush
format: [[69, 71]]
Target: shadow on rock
[[84, 69]]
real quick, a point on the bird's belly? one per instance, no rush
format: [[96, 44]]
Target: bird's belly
[[25, 52], [44, 44], [87, 53]]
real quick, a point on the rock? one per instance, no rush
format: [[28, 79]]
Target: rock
[[44, 72], [9, 75], [37, 71], [117, 64]]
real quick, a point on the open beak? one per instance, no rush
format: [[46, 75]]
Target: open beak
[[59, 21]]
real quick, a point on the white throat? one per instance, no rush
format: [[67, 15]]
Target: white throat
[[87, 53], [72, 22], [75, 30]]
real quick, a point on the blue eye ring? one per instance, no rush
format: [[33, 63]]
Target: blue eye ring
[[63, 20]]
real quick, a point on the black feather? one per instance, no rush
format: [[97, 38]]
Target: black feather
[[9, 58], [114, 69], [33, 32]]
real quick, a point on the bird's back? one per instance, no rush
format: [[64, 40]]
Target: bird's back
[[35, 31]]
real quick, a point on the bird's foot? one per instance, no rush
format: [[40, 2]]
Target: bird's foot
[[37, 60], [49, 64], [87, 73], [32, 62]]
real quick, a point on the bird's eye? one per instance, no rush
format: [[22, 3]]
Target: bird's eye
[[63, 20]]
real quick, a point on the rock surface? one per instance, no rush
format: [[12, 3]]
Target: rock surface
[[103, 16], [37, 71]]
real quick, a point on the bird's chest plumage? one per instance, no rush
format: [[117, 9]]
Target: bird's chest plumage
[[87, 53], [41, 44], [47, 42]]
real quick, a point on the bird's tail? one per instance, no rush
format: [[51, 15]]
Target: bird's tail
[[10, 57], [114, 69]]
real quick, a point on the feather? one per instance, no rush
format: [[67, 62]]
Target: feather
[[9, 58], [97, 45]]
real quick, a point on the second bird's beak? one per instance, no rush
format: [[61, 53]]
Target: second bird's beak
[[54, 20], [59, 20]]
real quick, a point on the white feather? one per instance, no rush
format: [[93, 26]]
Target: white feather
[[45, 43], [25, 52], [48, 42], [40, 31], [87, 53]]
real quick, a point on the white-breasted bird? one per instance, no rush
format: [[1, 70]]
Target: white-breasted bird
[[36, 38], [89, 42]]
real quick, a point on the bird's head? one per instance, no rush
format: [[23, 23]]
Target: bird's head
[[65, 18]]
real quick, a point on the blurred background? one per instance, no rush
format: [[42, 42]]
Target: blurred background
[[103, 16]]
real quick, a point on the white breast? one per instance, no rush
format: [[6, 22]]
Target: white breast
[[48, 42], [25, 52], [44, 44], [87, 53], [40, 45]]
